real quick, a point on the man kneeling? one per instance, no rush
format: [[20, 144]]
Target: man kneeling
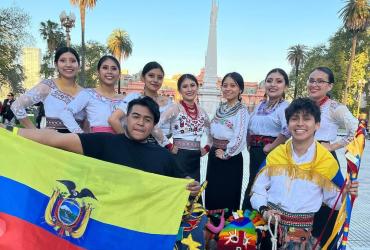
[[297, 178]]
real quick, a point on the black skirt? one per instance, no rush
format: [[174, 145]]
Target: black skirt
[[256, 158], [189, 161], [224, 181]]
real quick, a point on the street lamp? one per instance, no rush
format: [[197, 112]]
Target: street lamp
[[67, 21]]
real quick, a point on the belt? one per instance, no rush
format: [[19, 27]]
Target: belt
[[293, 220], [221, 144], [185, 144], [57, 124], [105, 129], [260, 140]]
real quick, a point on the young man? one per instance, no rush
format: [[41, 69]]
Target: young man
[[130, 149], [297, 178]]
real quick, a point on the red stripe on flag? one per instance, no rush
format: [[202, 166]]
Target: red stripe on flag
[[16, 234]]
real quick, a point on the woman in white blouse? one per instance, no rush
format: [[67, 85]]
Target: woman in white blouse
[[152, 75], [267, 125], [55, 94], [225, 161], [98, 103], [333, 116], [187, 122]]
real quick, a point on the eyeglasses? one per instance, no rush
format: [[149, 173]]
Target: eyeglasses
[[318, 81]]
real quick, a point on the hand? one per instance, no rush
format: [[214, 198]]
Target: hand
[[220, 154], [266, 215], [174, 150], [203, 152], [193, 187], [352, 188], [327, 146], [267, 148]]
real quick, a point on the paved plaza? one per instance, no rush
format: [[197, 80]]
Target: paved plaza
[[359, 235]]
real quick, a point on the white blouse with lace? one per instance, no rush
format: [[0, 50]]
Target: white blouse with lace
[[97, 107], [335, 115], [48, 93], [123, 106], [182, 126], [269, 121], [231, 125]]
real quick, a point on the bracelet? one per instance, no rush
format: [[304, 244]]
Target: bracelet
[[9, 128], [263, 209], [15, 130], [169, 146], [207, 148]]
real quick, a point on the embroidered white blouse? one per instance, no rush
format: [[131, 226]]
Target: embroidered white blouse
[[182, 125], [123, 106], [97, 107], [333, 116], [269, 122], [292, 195], [231, 128], [47, 92]]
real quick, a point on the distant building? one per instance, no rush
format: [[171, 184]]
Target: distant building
[[31, 61]]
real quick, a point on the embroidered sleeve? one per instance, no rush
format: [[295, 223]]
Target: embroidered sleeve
[[281, 115], [78, 104], [259, 190], [35, 95], [238, 141], [167, 117], [344, 118], [207, 131]]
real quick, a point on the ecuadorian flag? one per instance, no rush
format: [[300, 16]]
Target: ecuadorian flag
[[53, 199]]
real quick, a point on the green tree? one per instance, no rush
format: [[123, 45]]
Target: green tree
[[83, 5], [355, 16], [297, 55], [94, 51], [120, 45], [53, 34], [14, 23]]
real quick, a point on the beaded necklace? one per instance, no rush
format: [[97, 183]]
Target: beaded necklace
[[191, 111]]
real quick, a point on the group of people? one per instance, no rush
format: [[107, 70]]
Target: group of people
[[169, 135]]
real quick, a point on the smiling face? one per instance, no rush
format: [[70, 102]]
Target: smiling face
[[153, 79], [188, 90], [140, 123], [67, 65], [275, 85], [318, 85], [302, 126], [230, 89], [108, 72]]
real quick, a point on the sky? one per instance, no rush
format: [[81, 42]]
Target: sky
[[252, 36]]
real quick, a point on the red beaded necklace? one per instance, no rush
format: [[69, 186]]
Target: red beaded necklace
[[191, 111], [323, 100]]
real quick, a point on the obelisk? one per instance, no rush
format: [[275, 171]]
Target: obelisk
[[209, 94]]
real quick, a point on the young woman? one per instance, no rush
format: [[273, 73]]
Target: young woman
[[267, 125], [333, 116], [152, 75], [98, 103], [55, 94], [225, 160], [188, 122]]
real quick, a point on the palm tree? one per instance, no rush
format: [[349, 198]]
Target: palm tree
[[120, 45], [53, 34], [83, 4], [355, 16], [297, 55]]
